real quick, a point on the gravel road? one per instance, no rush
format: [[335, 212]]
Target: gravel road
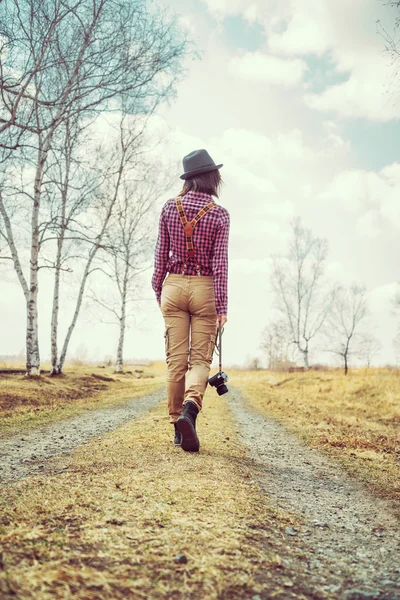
[[351, 539], [27, 453]]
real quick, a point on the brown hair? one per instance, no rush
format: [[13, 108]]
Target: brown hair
[[208, 183]]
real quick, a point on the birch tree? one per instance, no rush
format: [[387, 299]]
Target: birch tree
[[276, 342], [129, 248], [396, 347], [369, 347], [115, 163], [75, 182], [301, 290], [346, 324], [59, 59]]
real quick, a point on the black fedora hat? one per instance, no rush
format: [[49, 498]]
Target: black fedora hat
[[197, 162]]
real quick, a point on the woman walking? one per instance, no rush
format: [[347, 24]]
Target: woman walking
[[192, 247]]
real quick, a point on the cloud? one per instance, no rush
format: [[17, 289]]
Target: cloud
[[300, 28], [368, 224], [373, 196], [343, 32], [259, 67], [364, 94], [225, 8]]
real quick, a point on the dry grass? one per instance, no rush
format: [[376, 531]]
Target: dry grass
[[108, 521], [26, 403], [355, 418]]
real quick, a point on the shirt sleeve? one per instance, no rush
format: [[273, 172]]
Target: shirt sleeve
[[161, 256], [220, 265]]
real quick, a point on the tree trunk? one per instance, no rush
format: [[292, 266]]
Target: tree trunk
[[119, 365], [13, 249], [31, 292], [32, 333], [122, 322], [346, 368], [55, 310], [56, 292], [305, 358], [76, 312]]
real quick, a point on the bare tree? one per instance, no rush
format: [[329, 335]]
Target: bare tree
[[72, 192], [369, 347], [128, 247], [276, 342], [117, 161], [396, 347], [59, 60], [391, 42], [345, 326], [301, 288]]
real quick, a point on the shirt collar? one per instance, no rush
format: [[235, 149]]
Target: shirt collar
[[201, 194]]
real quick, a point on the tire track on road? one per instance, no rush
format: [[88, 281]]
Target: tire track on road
[[26, 454], [351, 539]]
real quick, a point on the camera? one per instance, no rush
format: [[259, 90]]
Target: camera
[[218, 381]]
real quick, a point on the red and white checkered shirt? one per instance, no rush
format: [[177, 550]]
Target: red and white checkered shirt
[[210, 239]]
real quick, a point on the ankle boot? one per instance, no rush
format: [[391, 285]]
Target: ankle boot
[[186, 424], [178, 436]]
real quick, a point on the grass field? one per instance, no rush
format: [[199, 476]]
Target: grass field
[[115, 519], [129, 515], [353, 418]]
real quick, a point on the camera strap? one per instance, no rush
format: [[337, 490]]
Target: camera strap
[[218, 345]]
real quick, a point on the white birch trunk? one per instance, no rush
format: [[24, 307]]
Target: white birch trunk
[[32, 330], [86, 273], [31, 292], [76, 312], [55, 310], [56, 290], [13, 249], [119, 365]]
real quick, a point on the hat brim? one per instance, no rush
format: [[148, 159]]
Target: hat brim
[[200, 171]]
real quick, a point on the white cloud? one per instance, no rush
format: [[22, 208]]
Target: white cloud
[[300, 28], [344, 31], [364, 94], [225, 8], [368, 224], [374, 197], [259, 67]]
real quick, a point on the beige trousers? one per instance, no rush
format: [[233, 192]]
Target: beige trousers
[[188, 307]]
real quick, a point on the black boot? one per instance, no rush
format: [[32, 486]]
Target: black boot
[[186, 424], [178, 436]]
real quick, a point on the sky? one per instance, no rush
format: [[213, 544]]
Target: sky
[[298, 100]]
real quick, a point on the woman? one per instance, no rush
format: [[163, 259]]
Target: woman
[[192, 246]]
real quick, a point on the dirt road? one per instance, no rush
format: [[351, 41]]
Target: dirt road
[[347, 535], [348, 542], [26, 454]]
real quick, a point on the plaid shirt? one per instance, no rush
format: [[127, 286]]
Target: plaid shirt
[[210, 239]]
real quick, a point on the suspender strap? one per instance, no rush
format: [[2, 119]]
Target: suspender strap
[[188, 226]]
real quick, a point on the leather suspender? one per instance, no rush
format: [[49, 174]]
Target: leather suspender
[[188, 227]]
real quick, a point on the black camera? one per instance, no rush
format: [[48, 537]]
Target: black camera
[[218, 381]]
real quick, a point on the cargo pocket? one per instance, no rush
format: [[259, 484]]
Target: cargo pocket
[[166, 341], [211, 346]]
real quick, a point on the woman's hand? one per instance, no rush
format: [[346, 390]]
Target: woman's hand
[[221, 319]]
